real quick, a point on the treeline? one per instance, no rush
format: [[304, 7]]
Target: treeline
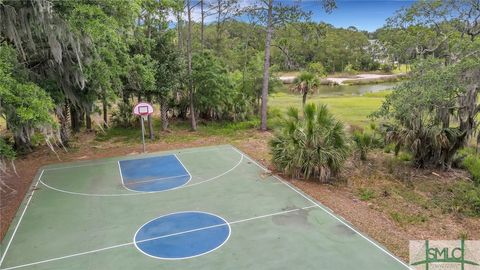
[[298, 44], [294, 46]]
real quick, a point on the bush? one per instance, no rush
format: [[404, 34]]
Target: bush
[[374, 65], [310, 146], [364, 142], [6, 150], [466, 199], [350, 69], [407, 219], [404, 156], [317, 68], [386, 68], [123, 117], [366, 194], [471, 163], [274, 117], [7, 153]]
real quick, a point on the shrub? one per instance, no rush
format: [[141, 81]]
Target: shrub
[[407, 219], [471, 163], [466, 199], [6, 150], [318, 69], [310, 146], [366, 194], [404, 156], [350, 69], [364, 142], [274, 117], [386, 68], [123, 117], [7, 153]]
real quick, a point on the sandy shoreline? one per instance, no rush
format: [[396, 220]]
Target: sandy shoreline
[[340, 80]]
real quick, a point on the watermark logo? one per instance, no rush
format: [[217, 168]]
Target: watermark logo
[[445, 255]]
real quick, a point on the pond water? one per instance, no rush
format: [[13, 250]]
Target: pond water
[[353, 89]]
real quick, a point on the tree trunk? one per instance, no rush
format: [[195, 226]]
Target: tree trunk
[[217, 29], [245, 63], [63, 118], [150, 127], [22, 140], [105, 113], [266, 67], [88, 120], [202, 24], [150, 123], [163, 114], [189, 56], [179, 31], [75, 118], [82, 118], [125, 97], [304, 98]]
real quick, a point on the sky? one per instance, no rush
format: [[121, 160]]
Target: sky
[[363, 14]]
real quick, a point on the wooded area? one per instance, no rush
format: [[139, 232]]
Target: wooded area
[[69, 68], [62, 61]]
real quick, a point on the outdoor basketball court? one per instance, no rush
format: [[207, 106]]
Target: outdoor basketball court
[[202, 208]]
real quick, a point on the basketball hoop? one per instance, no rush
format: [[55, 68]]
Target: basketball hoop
[[143, 110]]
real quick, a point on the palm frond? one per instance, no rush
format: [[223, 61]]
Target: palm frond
[[314, 146]]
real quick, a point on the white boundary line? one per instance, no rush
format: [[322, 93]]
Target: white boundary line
[[21, 217], [132, 243], [325, 210], [167, 152], [139, 192], [184, 232]]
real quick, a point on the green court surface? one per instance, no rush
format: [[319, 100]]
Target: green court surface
[[216, 209]]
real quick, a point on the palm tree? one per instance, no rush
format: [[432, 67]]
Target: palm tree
[[305, 83], [314, 145]]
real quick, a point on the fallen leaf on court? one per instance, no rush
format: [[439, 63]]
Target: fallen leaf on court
[[265, 175]]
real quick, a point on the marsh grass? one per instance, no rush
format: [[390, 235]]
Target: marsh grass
[[353, 110]]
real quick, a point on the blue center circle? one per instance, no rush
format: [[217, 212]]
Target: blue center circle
[[182, 235]]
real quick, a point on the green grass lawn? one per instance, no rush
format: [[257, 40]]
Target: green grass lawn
[[403, 68], [180, 131], [352, 110], [3, 124]]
